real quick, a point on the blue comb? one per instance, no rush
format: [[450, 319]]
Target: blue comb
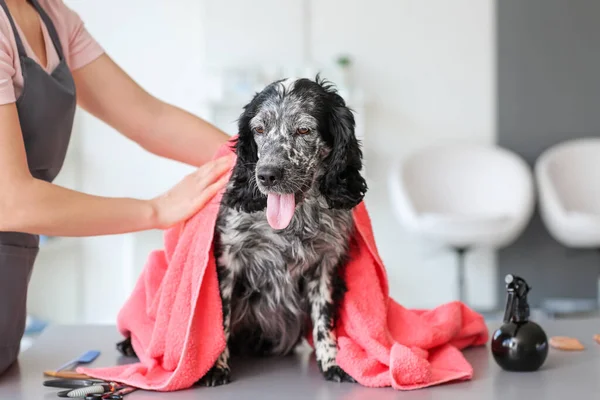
[[85, 358]]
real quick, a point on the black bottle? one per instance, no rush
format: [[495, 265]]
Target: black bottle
[[519, 345]]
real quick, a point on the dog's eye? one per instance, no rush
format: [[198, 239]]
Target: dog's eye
[[259, 130], [303, 131]]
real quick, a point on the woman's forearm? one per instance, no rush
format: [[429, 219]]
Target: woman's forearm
[[43, 208], [179, 135], [107, 92]]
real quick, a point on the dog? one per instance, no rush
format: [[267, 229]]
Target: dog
[[284, 226], [285, 223]]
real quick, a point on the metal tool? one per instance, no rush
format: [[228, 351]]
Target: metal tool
[[105, 396], [117, 395], [71, 383], [79, 388], [90, 389], [85, 358]]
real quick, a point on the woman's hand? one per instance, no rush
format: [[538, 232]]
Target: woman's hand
[[192, 193]]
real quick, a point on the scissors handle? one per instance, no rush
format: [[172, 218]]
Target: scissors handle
[[104, 396]]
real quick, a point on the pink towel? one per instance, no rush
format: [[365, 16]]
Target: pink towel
[[174, 318]]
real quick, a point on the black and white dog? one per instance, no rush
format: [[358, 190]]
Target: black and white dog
[[285, 223]]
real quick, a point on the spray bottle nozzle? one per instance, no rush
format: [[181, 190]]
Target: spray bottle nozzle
[[517, 307]]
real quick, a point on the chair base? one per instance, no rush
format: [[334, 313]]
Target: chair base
[[461, 255]]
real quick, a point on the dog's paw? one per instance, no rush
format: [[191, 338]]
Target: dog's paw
[[336, 374], [124, 347], [216, 376]]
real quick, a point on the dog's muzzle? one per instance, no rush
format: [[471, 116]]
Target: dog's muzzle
[[280, 206]]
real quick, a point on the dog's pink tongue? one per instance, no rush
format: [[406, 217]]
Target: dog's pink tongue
[[280, 210]]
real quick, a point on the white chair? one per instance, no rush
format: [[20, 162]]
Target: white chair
[[568, 180], [463, 196]]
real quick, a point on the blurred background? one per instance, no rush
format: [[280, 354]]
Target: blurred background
[[520, 75]]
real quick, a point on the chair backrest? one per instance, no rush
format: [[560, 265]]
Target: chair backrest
[[467, 179], [572, 168]]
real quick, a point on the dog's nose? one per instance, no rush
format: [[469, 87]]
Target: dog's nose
[[270, 175]]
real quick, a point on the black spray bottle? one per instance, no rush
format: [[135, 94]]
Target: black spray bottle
[[519, 344]]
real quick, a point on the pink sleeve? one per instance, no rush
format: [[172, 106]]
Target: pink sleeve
[[7, 71], [83, 48]]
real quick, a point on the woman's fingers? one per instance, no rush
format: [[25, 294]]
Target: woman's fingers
[[193, 192], [211, 190], [217, 164], [210, 172]]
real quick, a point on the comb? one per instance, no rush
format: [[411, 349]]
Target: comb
[[85, 358]]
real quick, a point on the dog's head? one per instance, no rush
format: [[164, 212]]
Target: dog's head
[[296, 137]]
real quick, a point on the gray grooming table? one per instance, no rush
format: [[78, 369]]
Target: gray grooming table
[[565, 375]]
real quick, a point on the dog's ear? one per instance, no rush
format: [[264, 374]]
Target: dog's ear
[[342, 184], [242, 193]]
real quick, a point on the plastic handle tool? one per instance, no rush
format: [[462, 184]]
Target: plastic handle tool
[[85, 358]]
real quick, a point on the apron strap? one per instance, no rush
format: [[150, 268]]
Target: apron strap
[[20, 47], [50, 27]]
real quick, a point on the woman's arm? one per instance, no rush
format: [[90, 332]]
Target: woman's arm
[[107, 92], [34, 206]]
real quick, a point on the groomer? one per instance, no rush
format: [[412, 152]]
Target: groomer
[[49, 63]]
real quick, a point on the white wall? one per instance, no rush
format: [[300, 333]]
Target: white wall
[[427, 70]]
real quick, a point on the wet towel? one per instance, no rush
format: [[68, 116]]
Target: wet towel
[[174, 318]]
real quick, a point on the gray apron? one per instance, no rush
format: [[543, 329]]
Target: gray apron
[[46, 110]]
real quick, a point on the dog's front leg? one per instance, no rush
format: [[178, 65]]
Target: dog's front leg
[[324, 292], [220, 373]]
